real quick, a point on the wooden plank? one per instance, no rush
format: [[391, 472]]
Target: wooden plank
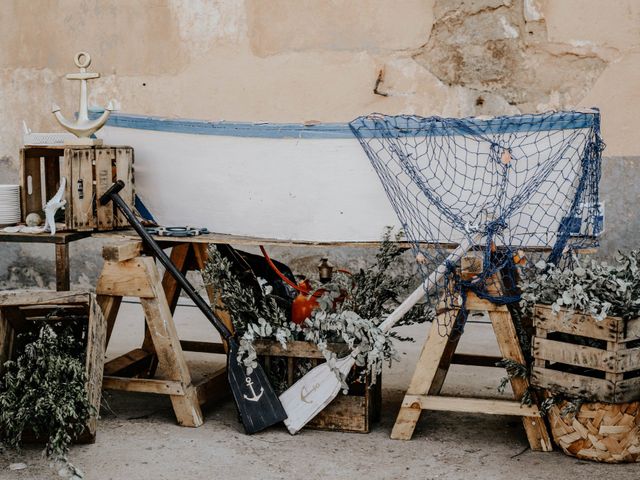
[[123, 250], [129, 364], [41, 297], [124, 172], [448, 354], [296, 349], [122, 279], [96, 346], [475, 360], [422, 379], [202, 347], [578, 355], [628, 360], [146, 385], [30, 175], [110, 306], [471, 405], [609, 329], [474, 303], [167, 346], [180, 258], [67, 170], [509, 345], [51, 174], [345, 413], [63, 276], [57, 238], [572, 383], [82, 188], [104, 179]]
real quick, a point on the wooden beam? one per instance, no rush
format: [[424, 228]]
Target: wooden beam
[[146, 385], [121, 251], [128, 364], [509, 345], [123, 279], [476, 405], [202, 347], [475, 360], [41, 297]]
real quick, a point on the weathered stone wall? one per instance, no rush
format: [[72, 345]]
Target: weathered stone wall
[[324, 60]]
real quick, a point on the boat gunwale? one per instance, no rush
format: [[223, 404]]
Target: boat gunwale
[[422, 126]]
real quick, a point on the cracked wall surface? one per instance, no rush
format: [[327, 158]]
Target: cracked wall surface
[[325, 60]]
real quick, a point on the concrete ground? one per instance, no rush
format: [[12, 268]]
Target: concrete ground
[[138, 438]]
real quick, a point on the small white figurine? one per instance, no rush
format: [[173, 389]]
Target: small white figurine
[[53, 205], [83, 128]]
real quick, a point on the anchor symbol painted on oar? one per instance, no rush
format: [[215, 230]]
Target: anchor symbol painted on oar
[[304, 394], [255, 396]]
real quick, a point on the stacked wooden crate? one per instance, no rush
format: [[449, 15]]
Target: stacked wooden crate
[[354, 412], [89, 172], [577, 355], [20, 310]]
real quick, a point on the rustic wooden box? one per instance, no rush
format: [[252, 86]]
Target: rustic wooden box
[[606, 370], [354, 412], [89, 172], [18, 307]]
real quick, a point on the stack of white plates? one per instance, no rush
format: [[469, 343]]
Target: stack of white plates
[[9, 204]]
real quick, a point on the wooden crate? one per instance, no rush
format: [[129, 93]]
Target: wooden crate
[[354, 412], [89, 172], [606, 370], [19, 307]]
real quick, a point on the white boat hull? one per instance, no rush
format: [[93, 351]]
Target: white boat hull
[[284, 188], [315, 183]]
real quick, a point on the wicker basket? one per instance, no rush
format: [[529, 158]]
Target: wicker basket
[[603, 432]]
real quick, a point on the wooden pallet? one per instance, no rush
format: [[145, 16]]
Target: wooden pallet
[[18, 307], [89, 171], [608, 370], [354, 412], [439, 352], [127, 273]]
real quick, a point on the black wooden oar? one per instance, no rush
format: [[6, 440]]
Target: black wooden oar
[[257, 402]]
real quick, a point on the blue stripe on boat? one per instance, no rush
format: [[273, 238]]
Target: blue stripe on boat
[[436, 125]]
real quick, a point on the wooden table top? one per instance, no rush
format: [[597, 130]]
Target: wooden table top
[[46, 237]]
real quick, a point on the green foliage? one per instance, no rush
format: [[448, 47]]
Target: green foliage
[[514, 370], [367, 297], [593, 287], [43, 390]]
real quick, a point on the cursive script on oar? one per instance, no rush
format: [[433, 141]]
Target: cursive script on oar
[[304, 394]]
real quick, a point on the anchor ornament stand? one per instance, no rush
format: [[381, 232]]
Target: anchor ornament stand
[[83, 128]]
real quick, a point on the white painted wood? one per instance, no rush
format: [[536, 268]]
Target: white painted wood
[[307, 189]]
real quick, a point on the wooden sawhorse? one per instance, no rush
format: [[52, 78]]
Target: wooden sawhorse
[[438, 353], [127, 273]]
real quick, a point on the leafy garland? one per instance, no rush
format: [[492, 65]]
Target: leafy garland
[[592, 287], [368, 296], [44, 391]]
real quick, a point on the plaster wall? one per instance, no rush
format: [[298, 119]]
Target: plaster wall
[[325, 60]]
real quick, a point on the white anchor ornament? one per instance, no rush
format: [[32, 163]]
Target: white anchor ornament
[[82, 127]]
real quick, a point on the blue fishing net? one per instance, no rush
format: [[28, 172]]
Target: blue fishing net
[[508, 184]]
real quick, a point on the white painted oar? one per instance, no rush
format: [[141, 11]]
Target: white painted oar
[[309, 395]]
